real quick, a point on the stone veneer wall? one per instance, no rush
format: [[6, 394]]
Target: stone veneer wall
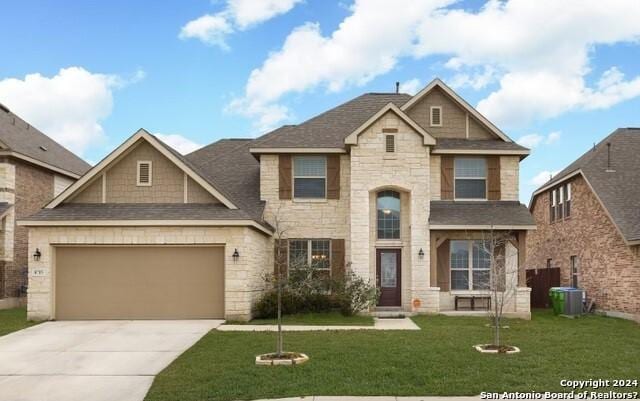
[[608, 269], [307, 218], [7, 194], [243, 279], [372, 169]]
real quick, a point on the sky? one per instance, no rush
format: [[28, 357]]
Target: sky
[[556, 76]]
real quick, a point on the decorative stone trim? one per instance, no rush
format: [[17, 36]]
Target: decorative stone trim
[[294, 358], [480, 348]]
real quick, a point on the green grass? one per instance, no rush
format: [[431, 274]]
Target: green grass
[[319, 319], [438, 360], [13, 320]]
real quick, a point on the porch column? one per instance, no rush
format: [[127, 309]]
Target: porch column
[[433, 260]]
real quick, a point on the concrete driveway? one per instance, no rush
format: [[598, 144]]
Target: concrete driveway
[[92, 360]]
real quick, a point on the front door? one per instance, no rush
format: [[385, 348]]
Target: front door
[[388, 276]]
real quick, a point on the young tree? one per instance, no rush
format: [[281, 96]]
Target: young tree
[[503, 275]]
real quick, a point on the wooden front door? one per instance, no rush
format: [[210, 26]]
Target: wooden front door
[[388, 267]]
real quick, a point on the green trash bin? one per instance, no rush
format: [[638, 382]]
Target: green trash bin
[[558, 298]]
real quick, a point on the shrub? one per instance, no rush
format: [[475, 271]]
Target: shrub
[[354, 294], [292, 303]]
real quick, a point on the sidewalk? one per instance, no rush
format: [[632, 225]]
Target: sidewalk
[[379, 324]]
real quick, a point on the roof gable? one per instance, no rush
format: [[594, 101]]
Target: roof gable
[[437, 83], [352, 139], [165, 150]]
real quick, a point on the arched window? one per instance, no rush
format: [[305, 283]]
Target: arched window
[[388, 215]]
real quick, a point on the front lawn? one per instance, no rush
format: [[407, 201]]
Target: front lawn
[[13, 320], [319, 319], [438, 360]]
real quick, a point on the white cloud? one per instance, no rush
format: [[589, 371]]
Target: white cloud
[[238, 15], [179, 142], [353, 54], [530, 141], [411, 86], [533, 140], [69, 106], [552, 137], [541, 50], [537, 53], [542, 177]]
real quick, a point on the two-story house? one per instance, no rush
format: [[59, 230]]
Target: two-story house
[[33, 169], [588, 218], [400, 189]]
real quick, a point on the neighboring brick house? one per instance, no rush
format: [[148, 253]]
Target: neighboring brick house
[[33, 169], [588, 219], [399, 189]]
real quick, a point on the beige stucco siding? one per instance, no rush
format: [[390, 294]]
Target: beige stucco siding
[[92, 193], [120, 182], [454, 117], [244, 278], [197, 194]]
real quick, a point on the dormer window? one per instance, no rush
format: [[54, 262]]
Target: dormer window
[[144, 174], [435, 116], [390, 143]]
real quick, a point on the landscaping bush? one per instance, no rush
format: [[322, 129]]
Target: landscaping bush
[[354, 294], [292, 303]]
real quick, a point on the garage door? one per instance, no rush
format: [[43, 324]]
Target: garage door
[[105, 282]]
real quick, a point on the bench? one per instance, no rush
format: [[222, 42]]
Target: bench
[[473, 299]]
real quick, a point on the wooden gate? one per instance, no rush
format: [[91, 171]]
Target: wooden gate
[[540, 280]]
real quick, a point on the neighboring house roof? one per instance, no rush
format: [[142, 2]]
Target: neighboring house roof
[[617, 187], [480, 215], [329, 129], [20, 139], [457, 146]]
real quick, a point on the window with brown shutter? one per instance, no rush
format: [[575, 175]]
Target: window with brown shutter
[[443, 266], [337, 258], [333, 177], [284, 173], [446, 182]]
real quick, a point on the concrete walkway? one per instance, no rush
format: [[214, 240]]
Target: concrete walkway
[[379, 324], [92, 360]]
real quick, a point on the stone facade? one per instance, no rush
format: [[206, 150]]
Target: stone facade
[[608, 269], [300, 218], [406, 171], [244, 279]]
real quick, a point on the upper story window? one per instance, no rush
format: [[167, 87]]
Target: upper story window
[[560, 202], [470, 178], [310, 177], [470, 263], [435, 117], [388, 215], [144, 174], [390, 143]]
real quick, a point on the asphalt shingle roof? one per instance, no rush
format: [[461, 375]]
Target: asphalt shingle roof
[[329, 129], [485, 144], [21, 137], [496, 213], [619, 189]]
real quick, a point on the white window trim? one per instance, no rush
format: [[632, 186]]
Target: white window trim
[[431, 124], [469, 270], [309, 251], [144, 184], [485, 178], [294, 176], [568, 191]]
